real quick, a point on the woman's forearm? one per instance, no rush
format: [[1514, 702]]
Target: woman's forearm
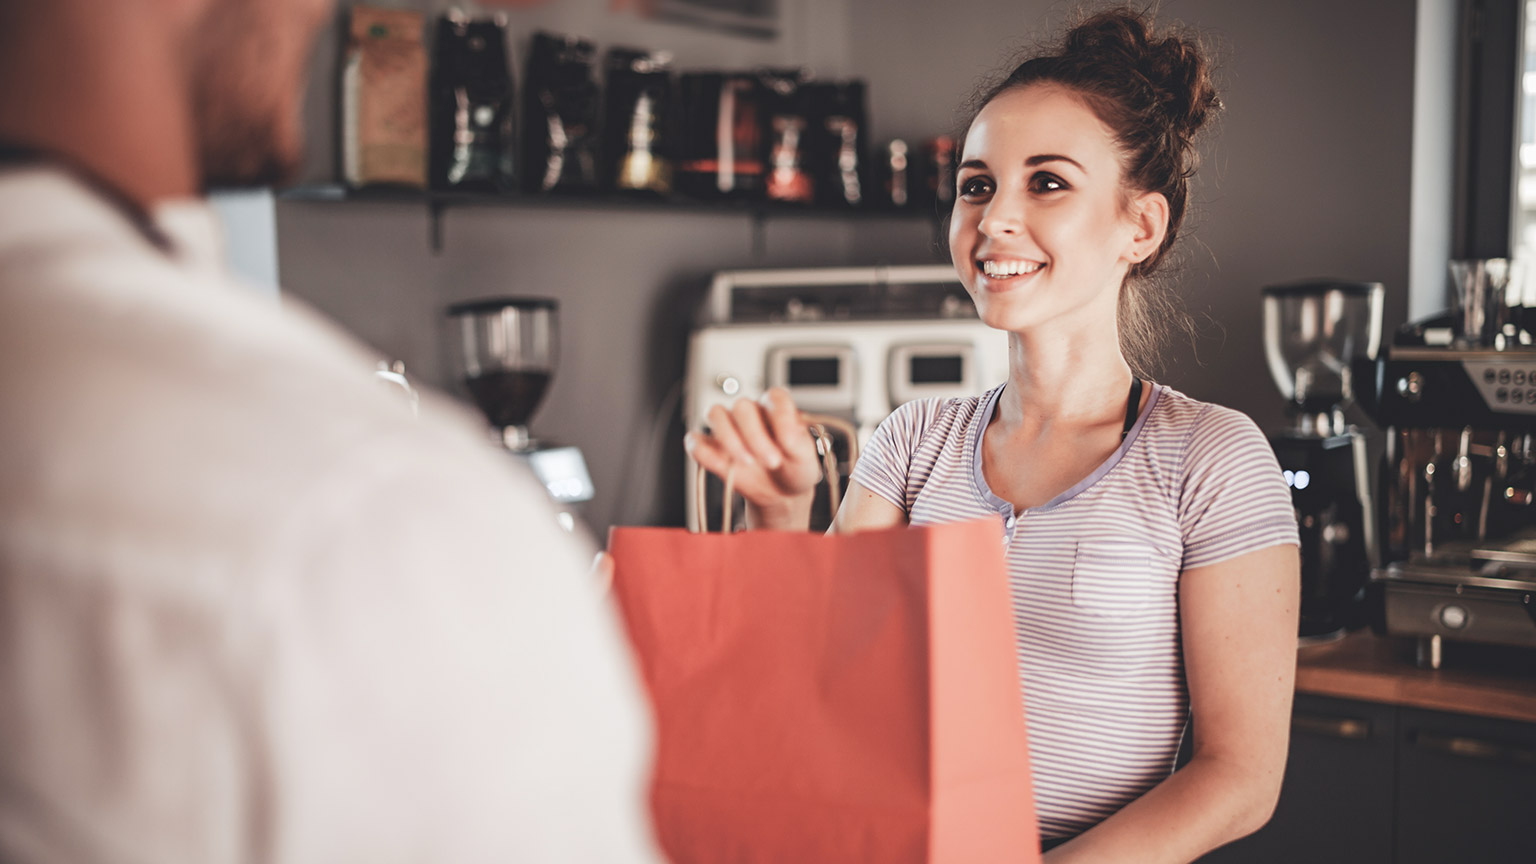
[[1207, 803]]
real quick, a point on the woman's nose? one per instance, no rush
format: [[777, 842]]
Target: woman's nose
[[1004, 216]]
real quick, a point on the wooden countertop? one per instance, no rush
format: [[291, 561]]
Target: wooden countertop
[[1473, 679]]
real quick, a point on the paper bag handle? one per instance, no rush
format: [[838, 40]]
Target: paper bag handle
[[818, 423]]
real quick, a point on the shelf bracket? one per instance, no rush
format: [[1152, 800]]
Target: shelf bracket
[[435, 225], [759, 235]]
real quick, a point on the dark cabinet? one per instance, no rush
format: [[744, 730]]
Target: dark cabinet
[[1466, 789], [1336, 801], [1368, 783]]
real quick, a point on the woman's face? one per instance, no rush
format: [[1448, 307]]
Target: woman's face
[[1041, 231]]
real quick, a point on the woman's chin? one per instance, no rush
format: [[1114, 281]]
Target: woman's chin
[[1004, 316]]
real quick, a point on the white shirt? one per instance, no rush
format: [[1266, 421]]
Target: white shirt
[[250, 609]]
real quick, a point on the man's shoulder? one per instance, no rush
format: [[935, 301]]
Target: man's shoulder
[[181, 395]]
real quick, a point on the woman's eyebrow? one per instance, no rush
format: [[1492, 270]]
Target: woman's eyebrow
[[1054, 157], [974, 163]]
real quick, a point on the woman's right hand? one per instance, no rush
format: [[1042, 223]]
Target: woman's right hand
[[774, 455]]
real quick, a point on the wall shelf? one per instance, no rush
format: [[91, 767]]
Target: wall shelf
[[758, 211]]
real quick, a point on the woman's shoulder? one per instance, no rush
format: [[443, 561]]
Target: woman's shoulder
[[920, 417], [1198, 418], [1199, 433]]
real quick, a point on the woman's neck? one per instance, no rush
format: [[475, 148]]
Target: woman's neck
[[1064, 378]]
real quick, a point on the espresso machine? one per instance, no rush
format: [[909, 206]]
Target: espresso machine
[[1457, 397], [850, 342], [506, 350], [1312, 333]]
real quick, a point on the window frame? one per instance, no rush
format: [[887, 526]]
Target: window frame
[[1489, 69]]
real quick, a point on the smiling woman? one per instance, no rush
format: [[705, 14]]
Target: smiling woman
[[1150, 537], [1153, 117]]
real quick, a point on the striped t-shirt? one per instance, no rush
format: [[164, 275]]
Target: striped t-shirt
[[1094, 576]]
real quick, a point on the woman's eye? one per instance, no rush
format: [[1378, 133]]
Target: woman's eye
[[1046, 183], [974, 186]]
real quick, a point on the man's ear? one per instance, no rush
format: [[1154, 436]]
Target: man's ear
[[1149, 214]]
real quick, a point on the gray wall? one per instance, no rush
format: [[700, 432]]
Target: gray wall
[[1306, 175]]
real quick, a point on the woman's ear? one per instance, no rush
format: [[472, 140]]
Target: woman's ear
[[1149, 215]]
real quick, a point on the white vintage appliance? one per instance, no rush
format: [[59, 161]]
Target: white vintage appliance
[[853, 342]]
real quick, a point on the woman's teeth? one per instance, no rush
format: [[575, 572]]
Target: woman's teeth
[[1003, 269]]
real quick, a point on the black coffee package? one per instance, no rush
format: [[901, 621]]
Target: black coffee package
[[472, 139], [836, 141], [637, 122], [720, 136], [560, 116], [786, 124], [936, 175]]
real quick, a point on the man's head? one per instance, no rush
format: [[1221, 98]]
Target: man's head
[[247, 61]]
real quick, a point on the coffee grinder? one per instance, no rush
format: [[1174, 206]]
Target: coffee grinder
[[507, 348], [1312, 332]]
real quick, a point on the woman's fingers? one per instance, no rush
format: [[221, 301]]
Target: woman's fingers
[[755, 437], [787, 425], [722, 427], [706, 450], [765, 442]]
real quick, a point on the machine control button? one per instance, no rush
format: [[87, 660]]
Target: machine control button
[[1454, 617], [1520, 377], [1530, 396], [1504, 376], [730, 385], [1517, 396], [1489, 375], [1501, 394], [1411, 387]]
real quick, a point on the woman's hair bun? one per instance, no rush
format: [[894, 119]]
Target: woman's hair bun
[[1174, 68]]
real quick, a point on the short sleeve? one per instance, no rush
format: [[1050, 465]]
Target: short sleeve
[[1233, 498], [885, 460]]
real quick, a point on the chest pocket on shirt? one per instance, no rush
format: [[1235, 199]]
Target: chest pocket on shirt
[[1111, 578]]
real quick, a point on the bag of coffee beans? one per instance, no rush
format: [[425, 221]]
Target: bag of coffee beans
[[383, 99]]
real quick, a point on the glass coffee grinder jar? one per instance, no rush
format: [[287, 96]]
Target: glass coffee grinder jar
[[1312, 332], [506, 350]]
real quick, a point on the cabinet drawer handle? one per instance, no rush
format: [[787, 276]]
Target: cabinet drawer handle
[[1349, 728], [1476, 748]]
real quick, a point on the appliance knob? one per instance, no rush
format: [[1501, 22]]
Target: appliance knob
[[1454, 617], [730, 385], [1336, 533], [1411, 387]]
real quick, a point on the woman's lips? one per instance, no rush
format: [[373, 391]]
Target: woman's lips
[[1003, 270]]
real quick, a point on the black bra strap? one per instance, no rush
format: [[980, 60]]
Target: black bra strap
[[1132, 406]]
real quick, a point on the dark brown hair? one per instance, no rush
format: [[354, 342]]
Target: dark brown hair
[[1155, 94]]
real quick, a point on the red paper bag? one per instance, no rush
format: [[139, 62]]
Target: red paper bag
[[831, 699]]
